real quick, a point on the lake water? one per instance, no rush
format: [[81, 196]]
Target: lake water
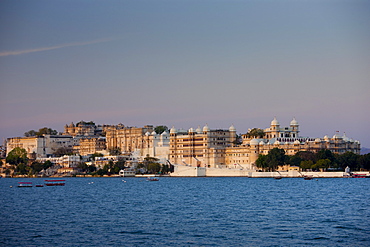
[[186, 212]]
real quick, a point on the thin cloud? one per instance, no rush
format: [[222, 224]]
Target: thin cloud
[[14, 53]]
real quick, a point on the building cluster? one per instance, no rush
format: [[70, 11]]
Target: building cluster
[[201, 147]]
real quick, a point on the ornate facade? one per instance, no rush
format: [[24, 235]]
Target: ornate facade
[[200, 147]]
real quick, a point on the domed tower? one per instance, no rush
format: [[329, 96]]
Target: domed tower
[[232, 132], [254, 147], [275, 128], [294, 126]]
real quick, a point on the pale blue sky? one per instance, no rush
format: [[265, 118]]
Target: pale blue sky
[[186, 63]]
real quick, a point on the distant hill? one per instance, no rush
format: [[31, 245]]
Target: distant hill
[[365, 150]]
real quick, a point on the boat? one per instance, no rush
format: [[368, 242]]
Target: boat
[[278, 177], [54, 182], [308, 177], [24, 184], [357, 175], [39, 185], [152, 179]]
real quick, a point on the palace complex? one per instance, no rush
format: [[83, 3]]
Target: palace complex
[[201, 147]]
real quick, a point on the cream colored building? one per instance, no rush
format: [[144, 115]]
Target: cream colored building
[[41, 146], [128, 139], [200, 147], [217, 149], [91, 145]]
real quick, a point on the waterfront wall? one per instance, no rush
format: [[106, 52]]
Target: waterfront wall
[[189, 171]]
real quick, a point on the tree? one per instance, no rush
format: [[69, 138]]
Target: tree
[[17, 156], [322, 164], [294, 160], [160, 129], [37, 167], [275, 158], [42, 131], [364, 161], [306, 155], [30, 133], [325, 154], [255, 133], [306, 164], [261, 162], [349, 159]]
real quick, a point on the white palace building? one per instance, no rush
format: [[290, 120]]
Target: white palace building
[[215, 149]]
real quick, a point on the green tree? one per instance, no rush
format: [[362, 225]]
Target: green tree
[[22, 169], [154, 167], [322, 164], [17, 156], [275, 158], [30, 133], [255, 133], [349, 159], [261, 162], [160, 129], [364, 161], [306, 164], [294, 160], [42, 131], [37, 167], [306, 155], [47, 164], [325, 154]]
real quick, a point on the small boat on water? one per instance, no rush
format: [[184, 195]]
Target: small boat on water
[[55, 182], [278, 177], [24, 184], [39, 185], [308, 177], [152, 179], [357, 175]]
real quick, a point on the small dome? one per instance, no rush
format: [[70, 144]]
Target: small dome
[[337, 136], [206, 128], [164, 133], [254, 141], [147, 133], [232, 128], [198, 130], [154, 133], [274, 122], [261, 143], [296, 142], [345, 138], [277, 143], [191, 130], [317, 140], [293, 122], [173, 130]]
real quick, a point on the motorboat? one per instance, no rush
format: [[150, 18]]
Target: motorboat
[[24, 184], [55, 182]]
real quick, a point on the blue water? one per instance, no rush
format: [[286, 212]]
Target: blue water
[[186, 212]]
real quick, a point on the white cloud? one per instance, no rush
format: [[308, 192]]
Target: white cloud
[[20, 52]]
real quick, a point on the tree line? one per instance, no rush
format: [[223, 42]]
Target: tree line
[[306, 160]]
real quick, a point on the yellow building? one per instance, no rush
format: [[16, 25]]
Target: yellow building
[[200, 147]]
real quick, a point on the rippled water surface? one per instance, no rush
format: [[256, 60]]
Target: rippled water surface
[[186, 212]]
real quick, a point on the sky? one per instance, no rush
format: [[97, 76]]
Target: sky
[[186, 63]]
